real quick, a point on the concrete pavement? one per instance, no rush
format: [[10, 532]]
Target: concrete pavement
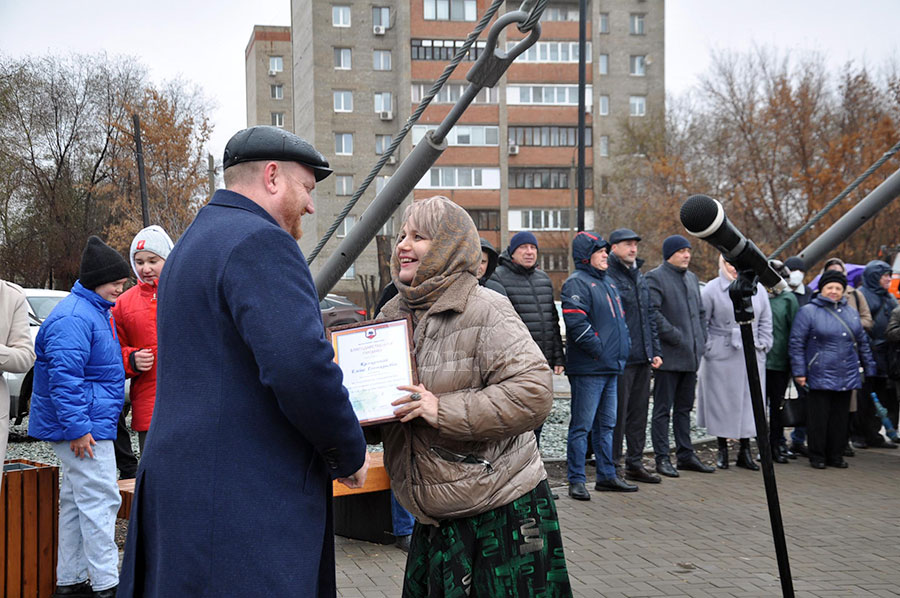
[[708, 535]]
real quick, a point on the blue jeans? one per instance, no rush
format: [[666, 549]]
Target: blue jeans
[[401, 519], [88, 502], [594, 401]]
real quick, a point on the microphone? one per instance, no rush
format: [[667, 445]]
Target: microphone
[[704, 217]]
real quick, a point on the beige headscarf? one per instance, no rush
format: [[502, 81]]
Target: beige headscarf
[[454, 254]]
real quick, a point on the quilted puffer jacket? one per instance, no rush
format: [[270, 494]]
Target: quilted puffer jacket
[[475, 354], [79, 381], [135, 314], [823, 350]]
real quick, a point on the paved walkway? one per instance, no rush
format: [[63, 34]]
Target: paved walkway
[[705, 535]]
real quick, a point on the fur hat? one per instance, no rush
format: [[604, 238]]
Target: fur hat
[[100, 264], [832, 276]]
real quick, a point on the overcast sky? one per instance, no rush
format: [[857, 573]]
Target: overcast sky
[[204, 42]]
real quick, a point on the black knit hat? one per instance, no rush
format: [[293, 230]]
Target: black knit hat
[[100, 264], [832, 276]]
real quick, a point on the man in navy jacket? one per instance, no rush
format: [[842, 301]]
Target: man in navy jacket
[[597, 349], [251, 422]]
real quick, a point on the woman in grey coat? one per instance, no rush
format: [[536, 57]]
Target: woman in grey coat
[[723, 393]]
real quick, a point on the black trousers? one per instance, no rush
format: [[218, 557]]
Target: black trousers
[[126, 462], [631, 414], [673, 392], [826, 424], [866, 422], [776, 386]]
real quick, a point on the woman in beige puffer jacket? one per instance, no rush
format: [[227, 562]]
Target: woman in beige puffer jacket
[[463, 458]]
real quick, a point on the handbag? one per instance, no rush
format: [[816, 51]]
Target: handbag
[[793, 412]]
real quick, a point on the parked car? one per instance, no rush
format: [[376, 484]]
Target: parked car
[[338, 310], [40, 303]]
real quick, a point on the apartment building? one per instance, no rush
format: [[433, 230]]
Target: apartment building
[[362, 67], [267, 67]]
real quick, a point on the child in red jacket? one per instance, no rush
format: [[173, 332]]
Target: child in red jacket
[[135, 314]]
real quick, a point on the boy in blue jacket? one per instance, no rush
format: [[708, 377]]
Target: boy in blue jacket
[[79, 390], [597, 346]]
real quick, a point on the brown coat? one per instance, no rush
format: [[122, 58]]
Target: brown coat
[[857, 301], [494, 386]]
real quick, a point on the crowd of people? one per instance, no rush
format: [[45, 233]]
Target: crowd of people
[[216, 344]]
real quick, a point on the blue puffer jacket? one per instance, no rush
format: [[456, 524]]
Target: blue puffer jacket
[[822, 349], [79, 379], [597, 341], [881, 304]]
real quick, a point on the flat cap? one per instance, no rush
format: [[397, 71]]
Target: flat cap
[[623, 234], [272, 143]]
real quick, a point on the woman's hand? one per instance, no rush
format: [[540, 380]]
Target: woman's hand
[[143, 360], [419, 403]]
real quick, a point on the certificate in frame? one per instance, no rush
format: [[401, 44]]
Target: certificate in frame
[[376, 357]]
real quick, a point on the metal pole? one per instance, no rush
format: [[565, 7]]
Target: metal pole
[[741, 293], [139, 156], [847, 224], [582, 49]]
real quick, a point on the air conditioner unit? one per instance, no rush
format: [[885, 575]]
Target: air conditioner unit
[[272, 73], [513, 150], [386, 115], [392, 160], [379, 29]]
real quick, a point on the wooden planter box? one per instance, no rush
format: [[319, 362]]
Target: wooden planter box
[[29, 514]]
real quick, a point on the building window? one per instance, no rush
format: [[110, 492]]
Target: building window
[[604, 105], [553, 95], [382, 143], [563, 13], [380, 182], [381, 16], [604, 22], [483, 135], [551, 52], [485, 219], [460, 177], [343, 184], [343, 144], [603, 64], [342, 58], [340, 16], [637, 105], [276, 64], [547, 136], [553, 260], [449, 10], [637, 66], [451, 92], [343, 100], [541, 178], [348, 223], [388, 229], [636, 23], [384, 101], [539, 219], [278, 119], [442, 49], [604, 183], [350, 274], [603, 146], [381, 60], [277, 92]]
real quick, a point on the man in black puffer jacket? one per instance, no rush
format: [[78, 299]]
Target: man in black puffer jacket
[[530, 291]]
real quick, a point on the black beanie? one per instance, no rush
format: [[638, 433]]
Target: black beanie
[[100, 264], [832, 276]]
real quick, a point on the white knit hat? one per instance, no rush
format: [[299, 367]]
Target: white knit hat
[[153, 239]]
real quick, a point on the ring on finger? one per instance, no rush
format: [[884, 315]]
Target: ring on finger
[[415, 396]]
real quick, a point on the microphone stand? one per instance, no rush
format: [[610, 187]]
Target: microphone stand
[[741, 292]]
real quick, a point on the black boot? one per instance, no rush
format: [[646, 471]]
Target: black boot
[[745, 459], [79, 590], [722, 459]]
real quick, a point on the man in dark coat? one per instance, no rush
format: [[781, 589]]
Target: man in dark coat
[[634, 384], [251, 423], [530, 291], [797, 272], [680, 322]]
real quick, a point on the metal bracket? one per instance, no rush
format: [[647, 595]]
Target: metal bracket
[[491, 65]]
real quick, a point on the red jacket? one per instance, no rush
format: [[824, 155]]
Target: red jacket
[[135, 314]]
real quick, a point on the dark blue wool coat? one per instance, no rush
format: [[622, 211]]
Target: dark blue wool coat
[[597, 340], [251, 421]]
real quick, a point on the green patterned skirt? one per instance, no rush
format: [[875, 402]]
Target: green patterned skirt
[[512, 551]]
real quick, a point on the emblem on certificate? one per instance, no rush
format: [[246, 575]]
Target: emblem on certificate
[[376, 358]]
